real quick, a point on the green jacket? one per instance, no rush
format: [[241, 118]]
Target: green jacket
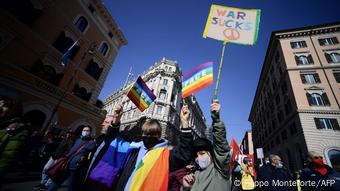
[[216, 176], [11, 145]]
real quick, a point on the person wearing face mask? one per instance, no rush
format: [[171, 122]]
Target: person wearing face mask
[[212, 159], [78, 162], [275, 171], [318, 171], [149, 165]]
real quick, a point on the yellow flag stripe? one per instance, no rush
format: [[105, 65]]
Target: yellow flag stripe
[[141, 173], [207, 77]]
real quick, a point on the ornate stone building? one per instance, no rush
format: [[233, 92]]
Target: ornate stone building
[[33, 37], [164, 79], [296, 107]]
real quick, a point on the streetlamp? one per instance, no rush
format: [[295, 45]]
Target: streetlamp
[[90, 51]]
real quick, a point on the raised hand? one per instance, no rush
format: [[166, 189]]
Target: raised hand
[[215, 108], [117, 114], [185, 112]]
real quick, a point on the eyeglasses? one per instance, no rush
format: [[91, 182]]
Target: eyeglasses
[[318, 157]]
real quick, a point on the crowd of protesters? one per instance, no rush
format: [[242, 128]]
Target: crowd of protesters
[[140, 159]]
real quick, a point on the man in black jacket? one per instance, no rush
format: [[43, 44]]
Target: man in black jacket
[[275, 174], [110, 128]]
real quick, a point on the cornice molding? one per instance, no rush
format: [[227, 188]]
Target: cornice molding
[[308, 32], [318, 111]]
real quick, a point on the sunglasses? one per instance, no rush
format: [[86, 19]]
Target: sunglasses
[[318, 157]]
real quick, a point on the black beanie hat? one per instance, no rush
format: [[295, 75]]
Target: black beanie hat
[[202, 144]]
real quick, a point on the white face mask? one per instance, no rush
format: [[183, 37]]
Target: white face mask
[[203, 161], [85, 134], [279, 165]]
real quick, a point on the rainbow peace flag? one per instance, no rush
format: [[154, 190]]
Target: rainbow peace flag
[[141, 95], [152, 172], [197, 79]]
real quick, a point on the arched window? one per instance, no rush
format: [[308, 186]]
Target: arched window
[[63, 43], [162, 95], [334, 157], [82, 93], [46, 72], [304, 59], [103, 49], [81, 23], [317, 99], [94, 70]]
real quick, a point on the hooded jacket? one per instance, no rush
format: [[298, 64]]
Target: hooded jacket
[[216, 176]]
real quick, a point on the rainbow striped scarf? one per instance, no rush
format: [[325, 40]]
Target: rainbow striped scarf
[[152, 172]]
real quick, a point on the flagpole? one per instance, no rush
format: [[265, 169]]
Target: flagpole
[[219, 70], [128, 76], [45, 129]]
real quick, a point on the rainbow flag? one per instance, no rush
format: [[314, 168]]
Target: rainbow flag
[[141, 95], [197, 79], [152, 172]]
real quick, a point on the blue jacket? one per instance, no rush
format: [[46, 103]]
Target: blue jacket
[[75, 162], [273, 176]]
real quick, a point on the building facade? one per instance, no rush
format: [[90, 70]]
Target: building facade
[[34, 35], [164, 79], [296, 106]]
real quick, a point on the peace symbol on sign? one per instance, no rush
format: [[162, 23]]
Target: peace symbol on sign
[[231, 34]]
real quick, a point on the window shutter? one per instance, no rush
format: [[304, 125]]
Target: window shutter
[[310, 59], [292, 44], [317, 78], [309, 98], [303, 78], [325, 99], [337, 77], [297, 60], [304, 44], [321, 42], [335, 124], [317, 123], [328, 58], [335, 40]]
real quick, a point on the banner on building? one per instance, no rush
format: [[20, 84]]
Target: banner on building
[[197, 79], [234, 25], [141, 95]]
